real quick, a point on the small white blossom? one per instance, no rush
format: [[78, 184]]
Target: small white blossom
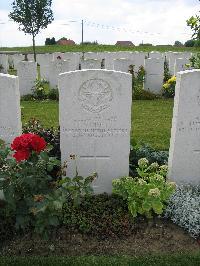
[[164, 168], [143, 162], [154, 166], [155, 192], [142, 182]]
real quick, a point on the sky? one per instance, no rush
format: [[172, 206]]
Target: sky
[[107, 21]]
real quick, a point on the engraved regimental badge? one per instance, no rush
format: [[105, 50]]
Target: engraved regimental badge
[[95, 95]]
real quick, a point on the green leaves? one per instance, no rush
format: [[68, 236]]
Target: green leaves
[[148, 193], [194, 24], [32, 15]]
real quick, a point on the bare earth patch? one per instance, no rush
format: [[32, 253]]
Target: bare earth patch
[[161, 237]]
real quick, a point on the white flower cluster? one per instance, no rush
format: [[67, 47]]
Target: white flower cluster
[[184, 208], [154, 192], [143, 162]]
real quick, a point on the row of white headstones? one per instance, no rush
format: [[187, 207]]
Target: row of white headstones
[[95, 123], [51, 66]]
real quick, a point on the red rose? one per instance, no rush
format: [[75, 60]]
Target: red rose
[[25, 144], [22, 142], [38, 144], [21, 155]]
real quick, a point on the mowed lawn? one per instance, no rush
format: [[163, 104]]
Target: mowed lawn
[[151, 120]]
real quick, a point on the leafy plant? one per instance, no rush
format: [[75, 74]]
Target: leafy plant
[[40, 89], [149, 192], [184, 208], [1, 68], [168, 90], [137, 85], [194, 24], [167, 74], [53, 94], [48, 209], [195, 61], [7, 224]]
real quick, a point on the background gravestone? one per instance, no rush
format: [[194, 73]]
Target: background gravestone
[[95, 122], [91, 64], [27, 73], [154, 68], [4, 63], [122, 64], [184, 154], [10, 112]]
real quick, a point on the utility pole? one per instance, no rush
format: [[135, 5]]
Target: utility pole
[[82, 31], [82, 40]]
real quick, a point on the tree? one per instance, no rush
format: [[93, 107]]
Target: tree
[[178, 44], [189, 43], [50, 41], [194, 24], [32, 16]]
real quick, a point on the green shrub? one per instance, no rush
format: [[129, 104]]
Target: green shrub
[[145, 151], [167, 74], [195, 61], [53, 94], [40, 89], [148, 193], [99, 215], [138, 93], [168, 90], [7, 224]]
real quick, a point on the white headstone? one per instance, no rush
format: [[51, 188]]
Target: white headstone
[[138, 59], [44, 59], [91, 64], [109, 57], [10, 112], [171, 57], [16, 59], [27, 73], [122, 64], [184, 153], [95, 122], [4, 63], [154, 69], [181, 65], [75, 59], [155, 54], [54, 69]]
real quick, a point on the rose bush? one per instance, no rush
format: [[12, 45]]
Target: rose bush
[[31, 195]]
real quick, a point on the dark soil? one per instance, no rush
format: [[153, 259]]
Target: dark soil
[[160, 236]]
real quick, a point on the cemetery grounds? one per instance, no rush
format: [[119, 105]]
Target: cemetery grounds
[[154, 242]]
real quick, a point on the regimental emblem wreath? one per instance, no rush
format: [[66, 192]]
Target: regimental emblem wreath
[[95, 95]]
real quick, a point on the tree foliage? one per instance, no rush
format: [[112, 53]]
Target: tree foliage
[[194, 24], [32, 16], [50, 41]]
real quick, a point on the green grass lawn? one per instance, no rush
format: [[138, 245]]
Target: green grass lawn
[[166, 260], [151, 120], [98, 48]]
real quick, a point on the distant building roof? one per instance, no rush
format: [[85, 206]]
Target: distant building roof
[[124, 43], [65, 41]]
